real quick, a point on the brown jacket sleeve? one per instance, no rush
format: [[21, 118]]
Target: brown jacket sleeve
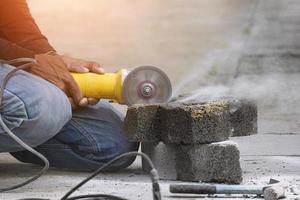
[[19, 34], [9, 51]]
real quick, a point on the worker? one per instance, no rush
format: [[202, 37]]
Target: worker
[[37, 102]]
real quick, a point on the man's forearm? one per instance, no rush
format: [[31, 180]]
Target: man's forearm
[[9, 51], [18, 27]]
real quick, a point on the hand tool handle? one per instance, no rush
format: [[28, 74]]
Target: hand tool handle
[[193, 189], [216, 189]]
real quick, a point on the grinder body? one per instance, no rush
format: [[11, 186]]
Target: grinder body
[[102, 86], [143, 85]]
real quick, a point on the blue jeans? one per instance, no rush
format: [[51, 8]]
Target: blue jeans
[[40, 114]]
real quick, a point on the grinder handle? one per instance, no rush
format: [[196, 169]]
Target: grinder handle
[[101, 86]]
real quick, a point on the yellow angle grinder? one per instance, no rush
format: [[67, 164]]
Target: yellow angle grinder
[[142, 85]]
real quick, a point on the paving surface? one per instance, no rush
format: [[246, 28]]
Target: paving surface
[[259, 163]]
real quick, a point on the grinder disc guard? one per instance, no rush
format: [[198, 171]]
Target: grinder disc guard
[[146, 85]]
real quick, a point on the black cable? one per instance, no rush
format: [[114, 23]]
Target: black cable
[[29, 62], [87, 197], [153, 172]]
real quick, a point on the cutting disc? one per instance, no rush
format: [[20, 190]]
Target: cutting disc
[[146, 85]]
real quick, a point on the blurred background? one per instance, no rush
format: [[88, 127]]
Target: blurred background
[[246, 48], [174, 35]]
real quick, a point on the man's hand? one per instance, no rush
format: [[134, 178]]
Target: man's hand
[[82, 66], [56, 69], [53, 69]]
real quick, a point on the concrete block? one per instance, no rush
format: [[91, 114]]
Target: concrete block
[[216, 162], [163, 157], [142, 123], [243, 117], [243, 113], [191, 122], [178, 123], [195, 123]]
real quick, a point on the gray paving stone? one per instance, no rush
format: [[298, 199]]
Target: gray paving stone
[[192, 122], [164, 158], [178, 123], [243, 117], [243, 113], [195, 123], [142, 123], [216, 162]]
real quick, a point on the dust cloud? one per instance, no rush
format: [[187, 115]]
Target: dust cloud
[[272, 81]]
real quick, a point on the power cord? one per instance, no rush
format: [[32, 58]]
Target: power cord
[[28, 63], [153, 172]]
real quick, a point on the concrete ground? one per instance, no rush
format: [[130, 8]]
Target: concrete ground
[[263, 156]]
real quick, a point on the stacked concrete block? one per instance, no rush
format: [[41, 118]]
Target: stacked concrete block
[[189, 141], [194, 123], [179, 123], [163, 157], [242, 113], [243, 117], [142, 123], [215, 162]]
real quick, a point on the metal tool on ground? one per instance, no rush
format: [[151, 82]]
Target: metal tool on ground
[[142, 85], [270, 192]]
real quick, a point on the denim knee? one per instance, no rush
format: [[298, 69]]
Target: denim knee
[[34, 109], [96, 141], [84, 145]]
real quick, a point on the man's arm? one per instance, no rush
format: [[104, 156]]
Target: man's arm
[[21, 37], [9, 51], [19, 32]]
